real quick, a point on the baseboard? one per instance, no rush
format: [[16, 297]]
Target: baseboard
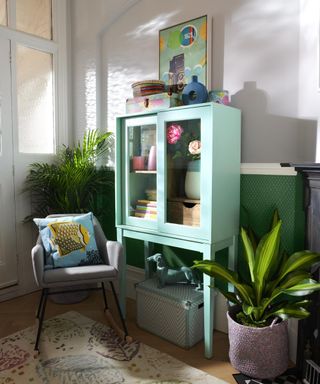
[[16, 291], [274, 169], [135, 275]]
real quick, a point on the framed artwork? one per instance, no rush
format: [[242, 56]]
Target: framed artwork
[[183, 52]]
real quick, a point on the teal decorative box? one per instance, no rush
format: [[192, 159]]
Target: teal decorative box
[[152, 102], [174, 312]]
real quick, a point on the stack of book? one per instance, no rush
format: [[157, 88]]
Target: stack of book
[[146, 209]]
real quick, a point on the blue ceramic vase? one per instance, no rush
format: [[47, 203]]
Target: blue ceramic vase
[[194, 92]]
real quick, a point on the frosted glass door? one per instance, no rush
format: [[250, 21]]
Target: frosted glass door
[[35, 101], [35, 17], [3, 12]]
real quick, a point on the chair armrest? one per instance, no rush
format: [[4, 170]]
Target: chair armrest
[[115, 254], [37, 254]]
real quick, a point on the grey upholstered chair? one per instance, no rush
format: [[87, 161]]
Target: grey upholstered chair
[[110, 251]]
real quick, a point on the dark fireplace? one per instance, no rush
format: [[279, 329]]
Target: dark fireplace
[[308, 349]]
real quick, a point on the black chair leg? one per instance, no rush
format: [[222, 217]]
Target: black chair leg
[[40, 304], [104, 296], [42, 311], [119, 309]]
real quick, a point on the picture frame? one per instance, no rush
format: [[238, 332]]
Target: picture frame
[[184, 51]]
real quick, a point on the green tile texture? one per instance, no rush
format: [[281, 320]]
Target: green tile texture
[[261, 194]]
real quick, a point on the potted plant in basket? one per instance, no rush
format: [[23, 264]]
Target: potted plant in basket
[[185, 144], [272, 292]]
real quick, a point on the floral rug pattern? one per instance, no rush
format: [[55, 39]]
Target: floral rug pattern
[[77, 350]]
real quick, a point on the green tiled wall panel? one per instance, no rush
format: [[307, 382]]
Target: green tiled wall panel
[[261, 194]]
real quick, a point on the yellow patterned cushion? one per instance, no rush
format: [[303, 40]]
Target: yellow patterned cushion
[[69, 241]]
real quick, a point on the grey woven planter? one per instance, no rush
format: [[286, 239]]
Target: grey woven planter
[[260, 353]]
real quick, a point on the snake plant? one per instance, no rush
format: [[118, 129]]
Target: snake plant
[[276, 285]]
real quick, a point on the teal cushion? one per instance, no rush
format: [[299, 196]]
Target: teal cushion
[[69, 241]]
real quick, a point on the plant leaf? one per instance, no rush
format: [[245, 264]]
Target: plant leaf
[[303, 288], [290, 311], [248, 252], [266, 254], [230, 296], [214, 269], [298, 260], [275, 218]]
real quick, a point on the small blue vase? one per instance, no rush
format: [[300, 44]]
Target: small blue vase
[[194, 92]]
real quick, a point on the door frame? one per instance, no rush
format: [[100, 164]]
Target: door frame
[[58, 46]]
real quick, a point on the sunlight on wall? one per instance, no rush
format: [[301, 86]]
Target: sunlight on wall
[[152, 27], [91, 97], [125, 65], [119, 89]]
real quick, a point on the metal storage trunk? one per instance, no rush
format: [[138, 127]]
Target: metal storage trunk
[[174, 312]]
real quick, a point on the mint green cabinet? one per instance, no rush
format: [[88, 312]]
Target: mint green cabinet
[[165, 194]]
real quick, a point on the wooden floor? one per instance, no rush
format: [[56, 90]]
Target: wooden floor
[[19, 313]]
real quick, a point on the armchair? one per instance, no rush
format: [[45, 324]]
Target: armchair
[[65, 278]]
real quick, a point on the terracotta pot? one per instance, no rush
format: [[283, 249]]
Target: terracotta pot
[[261, 353]]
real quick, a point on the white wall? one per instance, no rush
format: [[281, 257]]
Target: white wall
[[258, 56], [88, 21], [309, 64]]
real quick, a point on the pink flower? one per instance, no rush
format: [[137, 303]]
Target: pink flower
[[195, 147], [174, 133]]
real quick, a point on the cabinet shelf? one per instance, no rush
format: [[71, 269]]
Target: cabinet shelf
[[184, 200], [146, 172]]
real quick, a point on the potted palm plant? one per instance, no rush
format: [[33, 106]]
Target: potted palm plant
[[71, 183], [273, 291]]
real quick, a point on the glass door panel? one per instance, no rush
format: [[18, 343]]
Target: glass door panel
[[3, 13], [35, 17], [183, 151], [35, 99], [142, 170]]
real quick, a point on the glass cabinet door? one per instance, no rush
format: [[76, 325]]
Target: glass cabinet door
[[186, 141], [141, 171]]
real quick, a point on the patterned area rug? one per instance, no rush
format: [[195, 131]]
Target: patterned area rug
[[75, 349]]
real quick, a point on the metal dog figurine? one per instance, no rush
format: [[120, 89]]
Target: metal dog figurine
[[168, 276]]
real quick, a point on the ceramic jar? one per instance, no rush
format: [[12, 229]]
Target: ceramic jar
[[192, 180], [194, 92]]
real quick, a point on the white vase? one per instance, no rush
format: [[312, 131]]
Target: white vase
[[192, 181]]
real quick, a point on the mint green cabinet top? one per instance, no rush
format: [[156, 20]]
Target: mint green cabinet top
[[178, 172]]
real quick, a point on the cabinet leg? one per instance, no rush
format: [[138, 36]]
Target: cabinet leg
[[148, 251], [232, 258], [122, 275], [208, 298], [209, 302]]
